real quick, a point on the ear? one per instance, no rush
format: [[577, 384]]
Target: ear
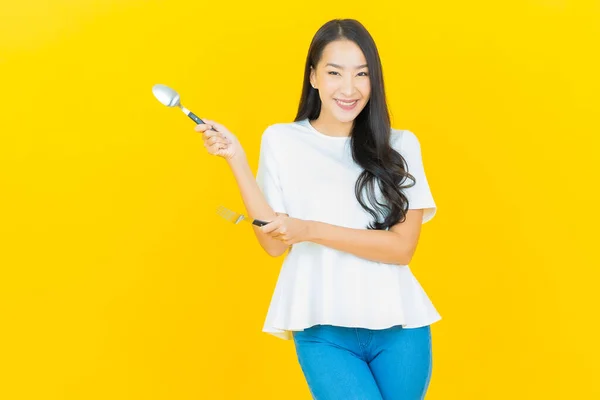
[[313, 80]]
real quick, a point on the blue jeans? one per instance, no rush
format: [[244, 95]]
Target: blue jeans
[[342, 363]]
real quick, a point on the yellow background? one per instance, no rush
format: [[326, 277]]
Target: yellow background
[[119, 281]]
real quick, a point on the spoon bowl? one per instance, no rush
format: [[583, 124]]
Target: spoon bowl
[[170, 98], [166, 95]]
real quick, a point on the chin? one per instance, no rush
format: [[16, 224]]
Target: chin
[[346, 116]]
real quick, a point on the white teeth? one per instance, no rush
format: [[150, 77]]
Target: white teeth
[[344, 103]]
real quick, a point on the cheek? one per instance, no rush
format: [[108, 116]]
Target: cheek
[[365, 88], [328, 88]]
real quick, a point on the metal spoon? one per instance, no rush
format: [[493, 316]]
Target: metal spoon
[[170, 98]]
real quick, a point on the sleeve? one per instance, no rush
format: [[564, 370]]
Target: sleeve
[[419, 195], [267, 175]]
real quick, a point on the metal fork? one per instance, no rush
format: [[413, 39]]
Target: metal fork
[[235, 217]]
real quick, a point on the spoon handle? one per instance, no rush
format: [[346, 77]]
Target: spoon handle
[[198, 120], [195, 118]]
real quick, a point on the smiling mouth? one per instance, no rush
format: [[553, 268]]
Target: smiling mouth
[[346, 103]]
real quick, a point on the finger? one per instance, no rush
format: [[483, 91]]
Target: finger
[[270, 227], [209, 134], [280, 235], [201, 127], [280, 230], [215, 124], [209, 123], [221, 141], [216, 139], [215, 148]]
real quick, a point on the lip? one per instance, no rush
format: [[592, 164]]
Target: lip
[[346, 108]]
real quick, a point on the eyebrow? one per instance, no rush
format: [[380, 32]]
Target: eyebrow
[[340, 67]]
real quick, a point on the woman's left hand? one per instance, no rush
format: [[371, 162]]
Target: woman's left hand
[[289, 230]]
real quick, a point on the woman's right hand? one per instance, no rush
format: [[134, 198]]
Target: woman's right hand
[[218, 141]]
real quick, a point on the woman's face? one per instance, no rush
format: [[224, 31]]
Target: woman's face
[[342, 79]]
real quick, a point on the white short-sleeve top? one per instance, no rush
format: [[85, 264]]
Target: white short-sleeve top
[[309, 175]]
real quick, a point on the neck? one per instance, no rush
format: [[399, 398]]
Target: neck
[[332, 126]]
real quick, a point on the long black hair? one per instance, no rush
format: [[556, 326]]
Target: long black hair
[[371, 131]]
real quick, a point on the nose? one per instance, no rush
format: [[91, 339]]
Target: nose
[[347, 88]]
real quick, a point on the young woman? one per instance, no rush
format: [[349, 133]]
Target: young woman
[[347, 195]]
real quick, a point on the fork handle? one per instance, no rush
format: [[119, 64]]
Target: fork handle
[[258, 222]]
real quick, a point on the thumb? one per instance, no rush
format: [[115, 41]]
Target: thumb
[[270, 227], [218, 127], [210, 123]]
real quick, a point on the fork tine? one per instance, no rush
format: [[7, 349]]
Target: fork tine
[[223, 209], [230, 215]]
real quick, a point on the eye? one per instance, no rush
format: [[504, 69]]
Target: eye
[[332, 72], [365, 73]]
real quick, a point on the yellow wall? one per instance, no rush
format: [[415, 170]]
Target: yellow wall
[[119, 281]]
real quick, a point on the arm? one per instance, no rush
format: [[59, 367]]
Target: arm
[[219, 141], [255, 204], [396, 246]]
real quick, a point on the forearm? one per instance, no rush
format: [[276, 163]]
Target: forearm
[[376, 245], [255, 203], [254, 200]]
